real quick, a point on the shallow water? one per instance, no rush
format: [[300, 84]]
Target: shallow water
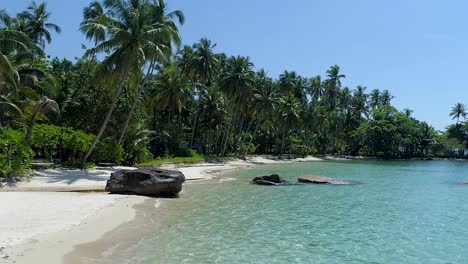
[[402, 212]]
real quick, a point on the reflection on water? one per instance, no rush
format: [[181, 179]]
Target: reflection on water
[[403, 212]]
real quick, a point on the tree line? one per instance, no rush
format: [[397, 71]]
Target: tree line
[[137, 94]]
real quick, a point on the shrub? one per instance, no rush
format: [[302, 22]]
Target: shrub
[[45, 140], [64, 143], [15, 156], [142, 155], [107, 151]]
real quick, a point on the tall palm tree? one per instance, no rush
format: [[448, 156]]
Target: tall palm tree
[[316, 88], [236, 82], [135, 33], [204, 64], [333, 85], [171, 89], [459, 110], [265, 100], [36, 18], [385, 97], [360, 102], [290, 113], [291, 82], [374, 99]]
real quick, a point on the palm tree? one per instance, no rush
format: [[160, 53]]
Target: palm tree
[[292, 82], [316, 88], [408, 112], [385, 97], [204, 64], [171, 89], [359, 102], [290, 113], [212, 116], [236, 82], [265, 99], [134, 33], [374, 99], [37, 26], [333, 85], [459, 110]]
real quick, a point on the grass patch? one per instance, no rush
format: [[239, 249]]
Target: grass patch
[[174, 160]]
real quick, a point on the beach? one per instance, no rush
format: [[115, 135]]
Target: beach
[[47, 217]]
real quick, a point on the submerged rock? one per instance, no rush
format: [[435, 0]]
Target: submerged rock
[[146, 181], [273, 179], [322, 180]]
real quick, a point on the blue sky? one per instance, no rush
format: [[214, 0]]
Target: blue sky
[[416, 49]]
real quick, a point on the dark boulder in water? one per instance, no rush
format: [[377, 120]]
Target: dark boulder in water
[[322, 180], [146, 181], [273, 179]]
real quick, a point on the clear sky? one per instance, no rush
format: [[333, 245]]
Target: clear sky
[[417, 49]]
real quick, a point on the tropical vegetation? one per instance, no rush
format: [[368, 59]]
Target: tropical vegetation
[[137, 96]]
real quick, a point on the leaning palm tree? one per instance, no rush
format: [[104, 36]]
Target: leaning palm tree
[[36, 18], [459, 110], [134, 33], [159, 52]]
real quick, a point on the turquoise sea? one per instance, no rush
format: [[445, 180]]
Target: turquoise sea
[[400, 212]]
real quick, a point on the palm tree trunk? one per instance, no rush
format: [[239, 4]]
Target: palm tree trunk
[[195, 122], [135, 101], [228, 131], [253, 136], [30, 127], [284, 135], [115, 99], [243, 137]]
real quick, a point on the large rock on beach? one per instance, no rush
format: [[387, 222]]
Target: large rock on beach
[[273, 179], [146, 181], [322, 180]]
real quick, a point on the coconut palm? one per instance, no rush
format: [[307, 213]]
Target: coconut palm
[[374, 99], [170, 90], [265, 100], [459, 110], [316, 88], [134, 33], [36, 19], [204, 64], [333, 85], [290, 114], [292, 82], [236, 82], [385, 97], [359, 102]]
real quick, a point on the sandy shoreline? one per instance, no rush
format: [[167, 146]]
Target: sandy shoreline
[[41, 221]]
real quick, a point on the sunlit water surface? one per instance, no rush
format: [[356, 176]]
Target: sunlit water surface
[[401, 212]]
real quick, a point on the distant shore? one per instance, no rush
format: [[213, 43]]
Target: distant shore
[[49, 216]]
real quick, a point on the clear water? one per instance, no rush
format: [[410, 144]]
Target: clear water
[[402, 212]]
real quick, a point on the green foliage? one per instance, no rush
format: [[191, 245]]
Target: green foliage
[[171, 160], [14, 154], [108, 151], [46, 140], [51, 142]]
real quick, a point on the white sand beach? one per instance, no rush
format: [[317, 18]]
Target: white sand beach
[[42, 219]]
